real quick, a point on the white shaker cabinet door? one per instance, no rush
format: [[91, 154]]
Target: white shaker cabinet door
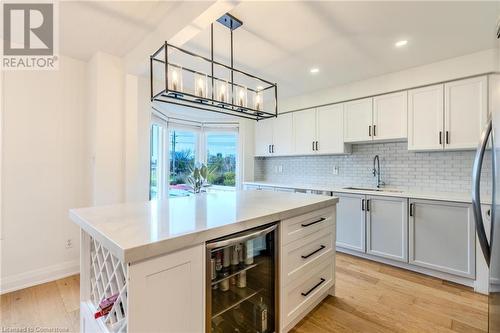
[[330, 130], [263, 137], [387, 227], [465, 112], [167, 293], [425, 118], [390, 116], [283, 134], [351, 222], [304, 131], [358, 120], [442, 237]]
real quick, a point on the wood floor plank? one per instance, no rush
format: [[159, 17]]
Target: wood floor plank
[[69, 289]]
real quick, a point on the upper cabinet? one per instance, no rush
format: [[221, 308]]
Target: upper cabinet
[[329, 130], [358, 120], [282, 135], [319, 131], [381, 118], [390, 116], [304, 131], [263, 137], [425, 118], [449, 116], [274, 136], [465, 112]]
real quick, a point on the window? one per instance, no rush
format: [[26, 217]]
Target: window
[[177, 149], [156, 165], [182, 159], [221, 158]]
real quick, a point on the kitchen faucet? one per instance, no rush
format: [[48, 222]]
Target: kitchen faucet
[[376, 171]]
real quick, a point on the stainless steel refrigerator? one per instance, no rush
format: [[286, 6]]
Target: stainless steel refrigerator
[[489, 235]]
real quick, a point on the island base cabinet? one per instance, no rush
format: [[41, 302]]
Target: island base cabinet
[[166, 294], [442, 237]]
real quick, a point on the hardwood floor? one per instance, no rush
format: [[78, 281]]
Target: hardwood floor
[[371, 297], [49, 305]]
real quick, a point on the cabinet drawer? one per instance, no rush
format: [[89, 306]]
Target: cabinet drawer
[[301, 293], [299, 227], [301, 255]]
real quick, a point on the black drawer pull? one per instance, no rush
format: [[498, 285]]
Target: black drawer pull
[[311, 223], [313, 252], [312, 289]]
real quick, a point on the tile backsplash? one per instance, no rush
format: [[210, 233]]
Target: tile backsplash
[[448, 171]]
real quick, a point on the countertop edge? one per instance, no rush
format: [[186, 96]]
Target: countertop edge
[[438, 196]]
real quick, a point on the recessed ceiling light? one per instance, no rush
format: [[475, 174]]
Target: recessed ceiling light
[[314, 70], [401, 43]]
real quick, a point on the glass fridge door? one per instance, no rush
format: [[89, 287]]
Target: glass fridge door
[[242, 282]]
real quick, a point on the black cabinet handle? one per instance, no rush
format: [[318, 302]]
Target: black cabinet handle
[[316, 145], [269, 148], [315, 286], [363, 205], [272, 149], [313, 252], [489, 212], [370, 130], [374, 132], [313, 145], [311, 223], [367, 205], [411, 209], [440, 137], [447, 137]]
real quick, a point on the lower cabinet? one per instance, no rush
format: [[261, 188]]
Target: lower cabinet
[[375, 225], [442, 237], [351, 227], [387, 227], [307, 264]]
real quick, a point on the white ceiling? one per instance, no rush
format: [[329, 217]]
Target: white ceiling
[[348, 41], [114, 27]]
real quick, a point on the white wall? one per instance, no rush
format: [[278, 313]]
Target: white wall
[[45, 171], [137, 125], [471, 64], [106, 119]]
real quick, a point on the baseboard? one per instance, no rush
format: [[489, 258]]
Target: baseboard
[[39, 276]]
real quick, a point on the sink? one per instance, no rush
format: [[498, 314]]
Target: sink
[[372, 189], [363, 189]]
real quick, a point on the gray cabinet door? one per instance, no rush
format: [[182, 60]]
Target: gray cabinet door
[[442, 237], [350, 222], [387, 227]]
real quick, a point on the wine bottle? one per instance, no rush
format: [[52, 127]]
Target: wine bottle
[[260, 316]]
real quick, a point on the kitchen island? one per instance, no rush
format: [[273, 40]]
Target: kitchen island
[[152, 257]]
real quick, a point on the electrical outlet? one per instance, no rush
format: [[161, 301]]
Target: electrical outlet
[[335, 170], [69, 243]]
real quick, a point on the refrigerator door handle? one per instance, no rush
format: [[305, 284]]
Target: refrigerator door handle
[[476, 191], [241, 239]]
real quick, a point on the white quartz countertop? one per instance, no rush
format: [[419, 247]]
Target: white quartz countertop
[[392, 192], [137, 231]]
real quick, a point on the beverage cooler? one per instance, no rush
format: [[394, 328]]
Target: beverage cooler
[[242, 282]]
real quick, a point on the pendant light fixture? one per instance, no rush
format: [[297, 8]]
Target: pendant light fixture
[[184, 78]]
